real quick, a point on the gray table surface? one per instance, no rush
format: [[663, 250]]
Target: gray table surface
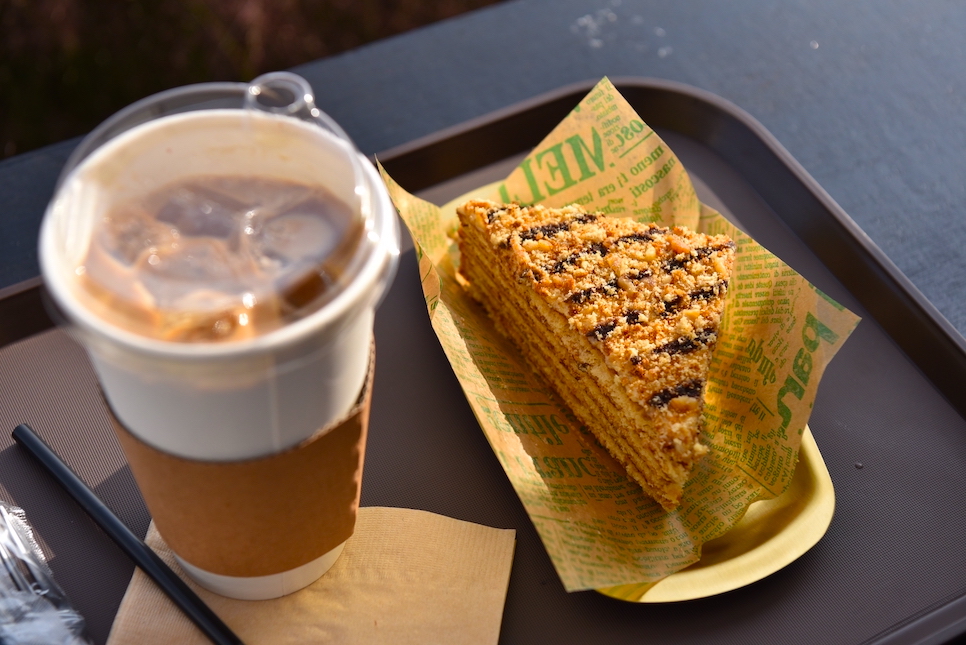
[[867, 95]]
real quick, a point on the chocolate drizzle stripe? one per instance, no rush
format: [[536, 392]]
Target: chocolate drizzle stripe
[[610, 288], [595, 247], [707, 293], [699, 253], [549, 230], [680, 302], [671, 306], [673, 264], [692, 388], [646, 236], [580, 297], [632, 317], [688, 344], [601, 331]]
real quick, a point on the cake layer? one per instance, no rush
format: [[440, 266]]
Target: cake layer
[[583, 390]]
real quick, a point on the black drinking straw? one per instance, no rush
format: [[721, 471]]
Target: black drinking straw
[[137, 550]]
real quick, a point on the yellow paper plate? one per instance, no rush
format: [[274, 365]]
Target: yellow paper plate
[[772, 534]]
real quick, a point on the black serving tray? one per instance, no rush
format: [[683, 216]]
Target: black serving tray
[[889, 418]]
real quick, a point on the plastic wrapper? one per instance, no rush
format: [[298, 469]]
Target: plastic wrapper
[[33, 609]]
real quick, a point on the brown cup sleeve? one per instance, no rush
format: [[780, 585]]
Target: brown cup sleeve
[[260, 516]]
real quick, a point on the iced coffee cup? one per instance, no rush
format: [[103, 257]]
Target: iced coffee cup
[[220, 250]]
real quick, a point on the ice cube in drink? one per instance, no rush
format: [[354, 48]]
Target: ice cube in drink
[[219, 258]]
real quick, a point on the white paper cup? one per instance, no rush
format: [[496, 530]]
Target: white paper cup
[[239, 399]]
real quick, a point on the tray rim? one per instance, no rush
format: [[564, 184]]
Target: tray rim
[[940, 353]]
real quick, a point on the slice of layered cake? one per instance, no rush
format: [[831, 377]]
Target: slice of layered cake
[[619, 317]]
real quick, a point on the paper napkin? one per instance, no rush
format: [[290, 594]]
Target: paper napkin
[[405, 576]]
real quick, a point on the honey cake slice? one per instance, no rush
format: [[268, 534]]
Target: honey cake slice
[[620, 318]]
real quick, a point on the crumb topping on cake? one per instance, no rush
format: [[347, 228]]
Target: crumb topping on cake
[[619, 317], [641, 292]]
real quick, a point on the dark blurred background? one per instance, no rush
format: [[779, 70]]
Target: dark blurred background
[[66, 65]]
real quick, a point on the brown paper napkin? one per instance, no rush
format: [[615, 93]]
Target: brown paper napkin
[[405, 576]]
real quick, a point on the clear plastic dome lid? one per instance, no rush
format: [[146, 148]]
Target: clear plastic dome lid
[[216, 224]]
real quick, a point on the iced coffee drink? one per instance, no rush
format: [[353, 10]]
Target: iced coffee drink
[[222, 269], [219, 265]]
